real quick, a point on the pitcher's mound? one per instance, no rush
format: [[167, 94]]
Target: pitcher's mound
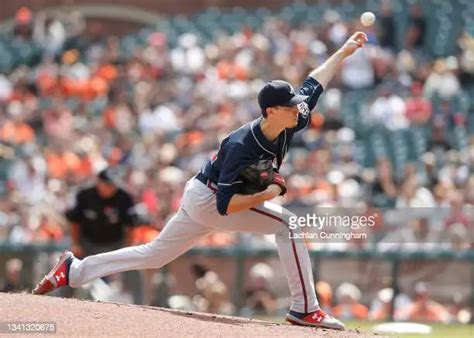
[[86, 318]]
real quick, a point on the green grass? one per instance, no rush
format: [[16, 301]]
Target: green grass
[[439, 330]]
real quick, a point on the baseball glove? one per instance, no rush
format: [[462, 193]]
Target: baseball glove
[[258, 176]]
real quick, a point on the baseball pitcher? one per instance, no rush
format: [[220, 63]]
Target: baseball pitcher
[[232, 193]]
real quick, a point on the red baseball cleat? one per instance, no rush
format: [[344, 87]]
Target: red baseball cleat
[[317, 318], [57, 277]]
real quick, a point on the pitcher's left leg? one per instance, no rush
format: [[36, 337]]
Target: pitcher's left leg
[[270, 218], [294, 256]]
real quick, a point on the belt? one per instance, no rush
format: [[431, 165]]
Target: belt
[[205, 180]]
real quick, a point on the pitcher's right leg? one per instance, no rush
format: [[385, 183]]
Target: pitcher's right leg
[[179, 235]]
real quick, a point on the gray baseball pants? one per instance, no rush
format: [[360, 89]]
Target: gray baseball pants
[[196, 218]]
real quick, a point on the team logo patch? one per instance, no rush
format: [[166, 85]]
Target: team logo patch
[[303, 108]]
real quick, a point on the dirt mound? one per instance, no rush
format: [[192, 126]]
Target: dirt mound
[[86, 318]]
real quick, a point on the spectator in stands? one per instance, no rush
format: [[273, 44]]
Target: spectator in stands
[[438, 143], [440, 194], [388, 109], [21, 232], [384, 191], [415, 35], [418, 108], [466, 60], [446, 116], [23, 24], [213, 295], [459, 238], [61, 162], [349, 306], [325, 296], [458, 309], [16, 131], [457, 214], [48, 230], [49, 32], [332, 118], [469, 191], [414, 195], [58, 123], [424, 308], [28, 176], [13, 275], [5, 88], [259, 298], [442, 81], [386, 22], [381, 305], [418, 236]]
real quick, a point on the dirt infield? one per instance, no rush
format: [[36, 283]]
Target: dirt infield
[[86, 318]]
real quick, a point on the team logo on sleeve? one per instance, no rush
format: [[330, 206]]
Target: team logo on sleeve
[[303, 108]]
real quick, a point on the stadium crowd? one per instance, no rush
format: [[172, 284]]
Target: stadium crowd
[[158, 110]]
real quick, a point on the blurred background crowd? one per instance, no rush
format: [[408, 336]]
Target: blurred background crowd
[[395, 130]]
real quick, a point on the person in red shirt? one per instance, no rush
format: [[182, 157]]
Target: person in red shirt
[[418, 108]]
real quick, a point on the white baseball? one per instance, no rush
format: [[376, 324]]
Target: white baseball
[[367, 19]]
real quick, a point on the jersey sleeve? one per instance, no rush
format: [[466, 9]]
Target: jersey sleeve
[[228, 177], [313, 89]]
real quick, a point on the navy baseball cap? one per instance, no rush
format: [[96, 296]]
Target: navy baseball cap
[[279, 93]]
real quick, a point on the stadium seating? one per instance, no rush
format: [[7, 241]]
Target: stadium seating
[[443, 27]]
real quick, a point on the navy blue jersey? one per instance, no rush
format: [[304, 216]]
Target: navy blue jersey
[[248, 145]]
